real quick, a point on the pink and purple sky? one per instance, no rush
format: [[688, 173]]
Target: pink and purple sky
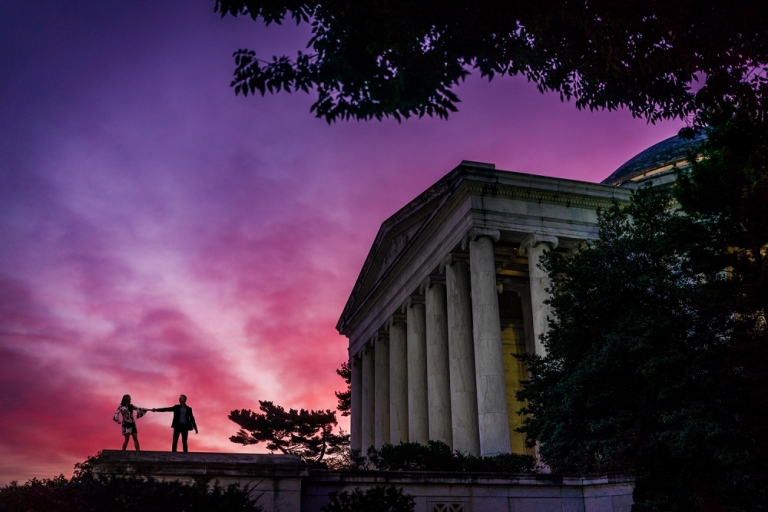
[[159, 235]]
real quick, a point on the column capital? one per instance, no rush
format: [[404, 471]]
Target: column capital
[[397, 318], [381, 334], [535, 239], [429, 282], [410, 301], [452, 258], [475, 233]]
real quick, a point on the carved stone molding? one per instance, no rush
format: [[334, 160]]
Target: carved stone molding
[[535, 239], [410, 301], [429, 281], [474, 233], [381, 334], [395, 319], [452, 258], [574, 198]]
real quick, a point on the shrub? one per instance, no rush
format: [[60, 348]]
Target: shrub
[[85, 493], [375, 499], [438, 456]]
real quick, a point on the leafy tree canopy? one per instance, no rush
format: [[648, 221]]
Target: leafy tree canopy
[[725, 192], [304, 432], [402, 58], [656, 358], [85, 493]]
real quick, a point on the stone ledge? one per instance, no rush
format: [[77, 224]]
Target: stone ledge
[[198, 464], [450, 477], [282, 483]]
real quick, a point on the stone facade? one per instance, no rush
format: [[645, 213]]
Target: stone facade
[[276, 480], [281, 483], [479, 492], [450, 292]]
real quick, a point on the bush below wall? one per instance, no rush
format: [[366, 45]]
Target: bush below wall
[[438, 456]]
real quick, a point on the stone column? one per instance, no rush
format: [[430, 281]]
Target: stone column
[[524, 292], [492, 414], [438, 381], [398, 381], [381, 408], [356, 425], [418, 414], [535, 246], [369, 399], [461, 358]]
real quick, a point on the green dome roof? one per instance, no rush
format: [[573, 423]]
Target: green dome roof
[[671, 151]]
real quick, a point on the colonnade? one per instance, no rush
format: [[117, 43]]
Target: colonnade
[[435, 370]]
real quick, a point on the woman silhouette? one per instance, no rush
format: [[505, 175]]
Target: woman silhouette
[[124, 415]]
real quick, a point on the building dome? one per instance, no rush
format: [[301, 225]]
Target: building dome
[[657, 160]]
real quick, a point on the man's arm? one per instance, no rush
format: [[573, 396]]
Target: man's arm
[[163, 409]]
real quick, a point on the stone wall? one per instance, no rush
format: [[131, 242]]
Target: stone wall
[[479, 492], [282, 483], [275, 479]]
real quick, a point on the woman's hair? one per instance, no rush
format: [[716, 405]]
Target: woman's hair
[[126, 400]]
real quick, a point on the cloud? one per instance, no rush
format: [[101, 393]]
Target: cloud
[[61, 386], [162, 236]]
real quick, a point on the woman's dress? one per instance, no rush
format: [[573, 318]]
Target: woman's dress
[[124, 416]]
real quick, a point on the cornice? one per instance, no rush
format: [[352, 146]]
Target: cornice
[[452, 190], [563, 197]]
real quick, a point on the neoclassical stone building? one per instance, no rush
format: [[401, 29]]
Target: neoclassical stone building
[[451, 290]]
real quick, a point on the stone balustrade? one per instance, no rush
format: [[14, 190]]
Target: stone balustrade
[[282, 483]]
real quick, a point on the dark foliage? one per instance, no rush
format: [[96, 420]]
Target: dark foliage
[[345, 397], [438, 456], [84, 493], [399, 58], [658, 350], [726, 193], [643, 371], [375, 499], [306, 433]]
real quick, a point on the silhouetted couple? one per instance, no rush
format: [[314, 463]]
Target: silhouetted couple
[[183, 421]]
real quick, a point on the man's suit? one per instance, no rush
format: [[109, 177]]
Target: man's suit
[[179, 425]]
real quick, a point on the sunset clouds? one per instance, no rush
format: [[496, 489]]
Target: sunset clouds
[[161, 236]]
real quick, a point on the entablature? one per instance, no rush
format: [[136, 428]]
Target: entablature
[[411, 244]]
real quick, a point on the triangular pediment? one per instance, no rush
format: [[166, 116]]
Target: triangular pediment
[[396, 235], [409, 229], [396, 240]]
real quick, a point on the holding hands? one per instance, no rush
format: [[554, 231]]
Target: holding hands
[[156, 410]]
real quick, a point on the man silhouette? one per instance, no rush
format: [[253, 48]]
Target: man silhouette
[[183, 421]]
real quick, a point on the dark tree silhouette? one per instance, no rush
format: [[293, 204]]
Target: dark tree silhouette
[[650, 368], [345, 397], [373, 499], [84, 492], [703, 61], [401, 58], [303, 432]]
